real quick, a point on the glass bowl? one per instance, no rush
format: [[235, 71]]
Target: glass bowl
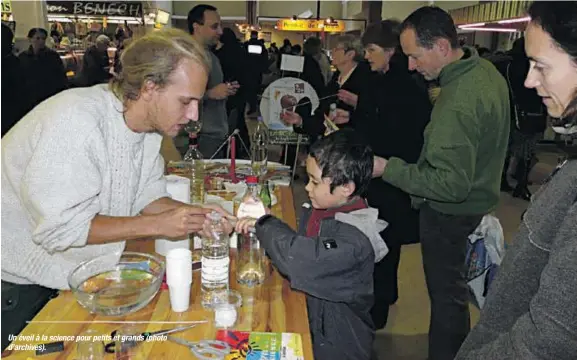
[[106, 287]]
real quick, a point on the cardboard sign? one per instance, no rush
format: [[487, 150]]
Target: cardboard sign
[[292, 63]]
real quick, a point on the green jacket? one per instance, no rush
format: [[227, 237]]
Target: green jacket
[[459, 169]]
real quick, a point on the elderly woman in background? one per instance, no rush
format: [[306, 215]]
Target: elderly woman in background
[[96, 63], [346, 85], [42, 69], [531, 309]]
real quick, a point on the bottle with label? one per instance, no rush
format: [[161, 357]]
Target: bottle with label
[[195, 160], [215, 263], [259, 149], [251, 205]]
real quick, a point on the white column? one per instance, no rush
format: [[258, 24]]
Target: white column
[[166, 6], [28, 15]]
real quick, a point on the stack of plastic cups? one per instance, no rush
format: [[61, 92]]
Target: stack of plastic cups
[[179, 278]]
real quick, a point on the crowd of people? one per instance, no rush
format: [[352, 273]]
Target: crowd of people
[[38, 72], [82, 174]]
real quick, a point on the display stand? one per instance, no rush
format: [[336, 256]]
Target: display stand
[[231, 152], [274, 95]]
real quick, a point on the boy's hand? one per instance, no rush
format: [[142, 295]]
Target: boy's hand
[[243, 225]]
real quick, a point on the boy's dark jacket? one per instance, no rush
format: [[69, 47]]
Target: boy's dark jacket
[[335, 270]]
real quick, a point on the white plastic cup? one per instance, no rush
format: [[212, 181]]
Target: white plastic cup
[[179, 267], [179, 297]]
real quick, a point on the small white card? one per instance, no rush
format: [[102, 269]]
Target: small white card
[[292, 63]]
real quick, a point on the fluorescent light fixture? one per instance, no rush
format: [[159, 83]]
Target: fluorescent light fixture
[[511, 21], [471, 25], [489, 29]]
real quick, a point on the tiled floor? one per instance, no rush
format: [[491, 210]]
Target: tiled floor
[[405, 337]]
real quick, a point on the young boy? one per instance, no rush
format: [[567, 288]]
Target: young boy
[[331, 257]]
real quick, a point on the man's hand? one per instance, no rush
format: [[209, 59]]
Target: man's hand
[[181, 221], [227, 219], [379, 166], [342, 117], [348, 97], [222, 91], [291, 118]]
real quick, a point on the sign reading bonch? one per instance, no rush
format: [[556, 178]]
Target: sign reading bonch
[[95, 8]]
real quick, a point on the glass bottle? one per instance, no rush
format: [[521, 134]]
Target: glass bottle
[[265, 194], [195, 160], [250, 268], [251, 205], [259, 149]]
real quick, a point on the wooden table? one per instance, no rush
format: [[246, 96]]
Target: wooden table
[[271, 307]]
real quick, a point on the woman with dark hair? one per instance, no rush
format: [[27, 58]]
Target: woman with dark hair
[[531, 309], [42, 68], [392, 113]]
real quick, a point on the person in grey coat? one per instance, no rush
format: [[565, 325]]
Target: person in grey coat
[[332, 255], [531, 308]]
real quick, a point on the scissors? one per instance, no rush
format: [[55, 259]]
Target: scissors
[[205, 349], [109, 348]]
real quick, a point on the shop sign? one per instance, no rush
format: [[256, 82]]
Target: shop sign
[[310, 25], [94, 8], [6, 6]]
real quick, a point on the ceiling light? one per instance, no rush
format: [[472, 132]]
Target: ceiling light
[[489, 29], [471, 25], [510, 21]]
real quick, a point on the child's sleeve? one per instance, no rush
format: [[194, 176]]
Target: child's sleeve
[[327, 268]]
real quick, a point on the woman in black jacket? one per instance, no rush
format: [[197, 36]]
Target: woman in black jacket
[[392, 113], [343, 90], [43, 70]]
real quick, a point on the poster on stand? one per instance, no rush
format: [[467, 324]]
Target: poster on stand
[[284, 95]]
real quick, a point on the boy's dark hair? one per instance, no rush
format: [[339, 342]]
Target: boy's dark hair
[[431, 23], [196, 15], [344, 157], [384, 34]]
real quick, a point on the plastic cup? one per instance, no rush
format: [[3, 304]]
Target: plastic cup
[[179, 267], [88, 349], [179, 297]]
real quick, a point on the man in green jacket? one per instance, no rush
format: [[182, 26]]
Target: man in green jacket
[[456, 180]]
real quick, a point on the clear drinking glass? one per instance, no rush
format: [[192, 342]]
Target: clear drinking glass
[[87, 349], [126, 348], [250, 268]]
